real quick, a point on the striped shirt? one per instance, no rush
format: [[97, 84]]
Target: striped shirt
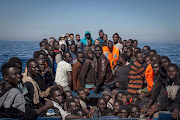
[[136, 77]]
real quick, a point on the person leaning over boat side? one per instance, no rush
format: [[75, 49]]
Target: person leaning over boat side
[[12, 102], [64, 72], [104, 73]]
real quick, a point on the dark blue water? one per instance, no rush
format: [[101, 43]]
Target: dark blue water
[[25, 49]]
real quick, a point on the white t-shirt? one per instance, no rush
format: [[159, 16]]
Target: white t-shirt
[[61, 73]]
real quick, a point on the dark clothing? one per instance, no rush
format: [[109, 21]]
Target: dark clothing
[[41, 82], [121, 76], [13, 104], [104, 72], [76, 69], [87, 74], [104, 44]]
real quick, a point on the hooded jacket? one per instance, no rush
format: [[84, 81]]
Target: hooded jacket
[[84, 41]]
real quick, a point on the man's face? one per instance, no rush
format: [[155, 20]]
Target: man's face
[[135, 44], [78, 102], [96, 42], [89, 42], [87, 35], [129, 43], [135, 113], [78, 38], [120, 60], [164, 63], [42, 65], [82, 94], [134, 100], [119, 96], [124, 42], [107, 97], [56, 45], [62, 38], [156, 68], [129, 53], [68, 95], [58, 96], [98, 52], [116, 107], [73, 48], [50, 51], [33, 68], [13, 76], [172, 72], [102, 104], [71, 37], [67, 36], [63, 47], [73, 107], [68, 57], [148, 61], [80, 58], [105, 38], [101, 35], [42, 57], [139, 57], [115, 39], [124, 114], [90, 55], [110, 45]]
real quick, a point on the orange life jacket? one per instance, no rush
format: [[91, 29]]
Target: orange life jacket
[[149, 75], [112, 56]]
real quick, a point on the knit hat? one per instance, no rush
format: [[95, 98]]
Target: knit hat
[[101, 31]]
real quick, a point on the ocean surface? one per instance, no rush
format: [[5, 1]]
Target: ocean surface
[[25, 49]]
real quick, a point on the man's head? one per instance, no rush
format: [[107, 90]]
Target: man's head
[[115, 38], [56, 45], [124, 42], [88, 35], [135, 100], [155, 57], [32, 67], [146, 48], [110, 45], [130, 43], [102, 104], [129, 52], [71, 105], [172, 71], [89, 42], [139, 57], [98, 51], [107, 94], [164, 62], [123, 58], [77, 101], [80, 112], [43, 44], [17, 61], [50, 50], [41, 65], [10, 73], [101, 33], [81, 93], [71, 36], [40, 55], [124, 111], [125, 48], [73, 48], [120, 95], [156, 66], [63, 47], [135, 43], [62, 38], [67, 57], [78, 37], [152, 52], [68, 95], [89, 53], [148, 60], [45, 40], [135, 111], [80, 56], [97, 42], [56, 94], [67, 36], [116, 106], [105, 37]]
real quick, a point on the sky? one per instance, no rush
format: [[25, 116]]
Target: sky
[[144, 20]]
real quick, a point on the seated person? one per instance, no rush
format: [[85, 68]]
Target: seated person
[[135, 100], [108, 96], [124, 111], [120, 94], [68, 95], [80, 112], [77, 101], [12, 102], [83, 98], [116, 106], [71, 106], [56, 95]]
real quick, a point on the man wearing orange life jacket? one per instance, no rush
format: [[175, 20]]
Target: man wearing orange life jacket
[[112, 53]]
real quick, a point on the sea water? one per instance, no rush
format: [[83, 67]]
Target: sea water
[[25, 49]]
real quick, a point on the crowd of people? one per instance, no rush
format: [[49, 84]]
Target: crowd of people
[[135, 82]]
